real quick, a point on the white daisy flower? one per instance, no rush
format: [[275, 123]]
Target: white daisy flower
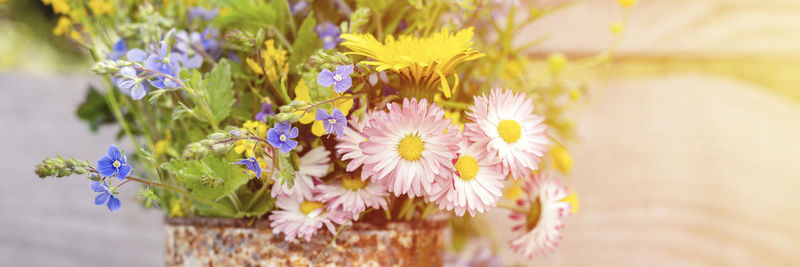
[[300, 218], [546, 205], [353, 195], [505, 121], [476, 182]]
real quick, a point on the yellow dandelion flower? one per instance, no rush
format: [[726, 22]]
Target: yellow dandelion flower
[[422, 63], [101, 7], [59, 6], [63, 26], [274, 60]]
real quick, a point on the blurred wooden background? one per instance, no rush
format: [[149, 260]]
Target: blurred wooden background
[[688, 155]]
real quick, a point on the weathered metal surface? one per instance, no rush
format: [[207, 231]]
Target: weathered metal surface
[[232, 242]]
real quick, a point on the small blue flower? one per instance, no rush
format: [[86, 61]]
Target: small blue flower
[[329, 34], [118, 50], [266, 111], [339, 78], [166, 63], [298, 7], [106, 196], [252, 165], [131, 84], [203, 13], [280, 136], [334, 122], [114, 164]]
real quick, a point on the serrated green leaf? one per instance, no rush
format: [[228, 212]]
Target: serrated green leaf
[[306, 43], [219, 91], [286, 169], [196, 173]]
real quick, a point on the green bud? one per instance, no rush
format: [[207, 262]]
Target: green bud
[[217, 136]]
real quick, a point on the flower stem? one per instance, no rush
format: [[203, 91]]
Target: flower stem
[[511, 207]]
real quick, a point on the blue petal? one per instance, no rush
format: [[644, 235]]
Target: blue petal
[[114, 204], [162, 50], [339, 131], [344, 71], [127, 72], [339, 117], [343, 85], [126, 84], [97, 187], [138, 92], [101, 198], [288, 146], [136, 55], [273, 137], [123, 171], [322, 115], [114, 153], [325, 78], [106, 166], [292, 133], [244, 161]]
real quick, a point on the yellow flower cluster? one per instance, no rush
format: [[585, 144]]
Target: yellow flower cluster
[[258, 128], [101, 7], [274, 60], [301, 94], [423, 63]]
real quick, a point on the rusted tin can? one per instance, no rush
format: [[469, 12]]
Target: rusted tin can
[[238, 242]]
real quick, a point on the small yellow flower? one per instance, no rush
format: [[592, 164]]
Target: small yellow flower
[[626, 3], [176, 208], [556, 62], [562, 160], [617, 28], [59, 6], [572, 198], [274, 60], [259, 128], [63, 26], [455, 118], [514, 192], [101, 7]]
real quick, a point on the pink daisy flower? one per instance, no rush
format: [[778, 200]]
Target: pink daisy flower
[[348, 146], [505, 121], [353, 195], [408, 147], [540, 225], [313, 164], [300, 218], [475, 185]]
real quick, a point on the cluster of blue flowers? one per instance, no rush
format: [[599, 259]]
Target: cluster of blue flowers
[[113, 164]]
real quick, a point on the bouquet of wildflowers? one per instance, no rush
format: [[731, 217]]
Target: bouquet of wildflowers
[[319, 114]]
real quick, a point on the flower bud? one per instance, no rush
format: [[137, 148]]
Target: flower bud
[[217, 136]]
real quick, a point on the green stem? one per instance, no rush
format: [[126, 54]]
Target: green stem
[[114, 106], [256, 196]]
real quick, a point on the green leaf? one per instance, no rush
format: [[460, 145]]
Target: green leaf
[[286, 169], [219, 91], [205, 210], [306, 43], [211, 178], [246, 14], [94, 110]]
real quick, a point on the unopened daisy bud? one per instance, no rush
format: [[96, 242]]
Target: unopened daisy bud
[[617, 28], [626, 3], [556, 62]]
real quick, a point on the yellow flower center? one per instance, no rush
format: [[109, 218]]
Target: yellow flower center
[[308, 206], [509, 130], [353, 183], [117, 164], [411, 147], [534, 214], [467, 166]]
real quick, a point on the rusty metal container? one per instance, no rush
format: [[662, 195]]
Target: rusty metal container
[[238, 242]]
